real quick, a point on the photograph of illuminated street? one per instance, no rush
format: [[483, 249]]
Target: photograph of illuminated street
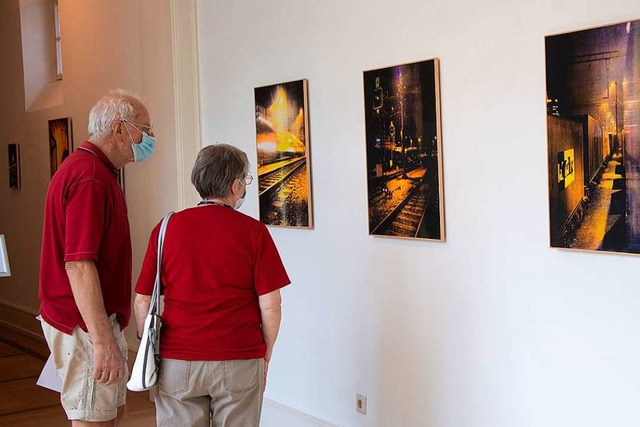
[[404, 178], [593, 135], [60, 142], [282, 141]]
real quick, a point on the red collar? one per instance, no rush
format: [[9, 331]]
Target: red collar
[[96, 151]]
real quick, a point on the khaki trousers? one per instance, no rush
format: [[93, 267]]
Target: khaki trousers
[[210, 393]]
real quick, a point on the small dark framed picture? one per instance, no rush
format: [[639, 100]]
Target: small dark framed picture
[[14, 166]]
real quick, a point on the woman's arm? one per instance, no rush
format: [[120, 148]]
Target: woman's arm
[[141, 309], [271, 312]]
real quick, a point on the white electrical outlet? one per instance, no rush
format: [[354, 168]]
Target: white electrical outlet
[[361, 403]]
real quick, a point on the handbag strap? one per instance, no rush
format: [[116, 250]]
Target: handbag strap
[[153, 307]]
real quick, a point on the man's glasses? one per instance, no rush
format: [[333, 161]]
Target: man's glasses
[[149, 128], [248, 179]]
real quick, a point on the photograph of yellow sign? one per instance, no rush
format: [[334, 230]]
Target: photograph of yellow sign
[[593, 138]]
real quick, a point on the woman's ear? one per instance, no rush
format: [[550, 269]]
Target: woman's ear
[[235, 188]]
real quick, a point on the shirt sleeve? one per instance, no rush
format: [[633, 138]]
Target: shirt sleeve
[[147, 278], [270, 273], [86, 209]]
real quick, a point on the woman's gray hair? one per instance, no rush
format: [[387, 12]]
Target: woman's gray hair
[[216, 167], [116, 105]]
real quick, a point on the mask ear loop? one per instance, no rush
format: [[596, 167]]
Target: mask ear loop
[[130, 137], [243, 187], [124, 121]]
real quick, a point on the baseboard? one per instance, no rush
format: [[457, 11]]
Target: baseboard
[[20, 328], [277, 414], [20, 319]]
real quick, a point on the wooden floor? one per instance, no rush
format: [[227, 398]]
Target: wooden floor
[[23, 403]]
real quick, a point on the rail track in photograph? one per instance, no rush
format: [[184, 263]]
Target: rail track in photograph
[[269, 182], [407, 219], [284, 195]]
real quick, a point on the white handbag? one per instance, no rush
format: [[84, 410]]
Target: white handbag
[[146, 367]]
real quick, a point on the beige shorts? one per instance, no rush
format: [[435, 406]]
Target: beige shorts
[[82, 397]]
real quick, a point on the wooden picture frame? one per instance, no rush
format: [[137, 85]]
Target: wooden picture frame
[[404, 151]]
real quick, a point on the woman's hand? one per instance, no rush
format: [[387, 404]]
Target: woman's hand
[[264, 379]]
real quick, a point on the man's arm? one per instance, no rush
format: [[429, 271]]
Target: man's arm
[[85, 284], [271, 312]]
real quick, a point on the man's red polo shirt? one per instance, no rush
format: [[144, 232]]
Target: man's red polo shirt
[[85, 218]]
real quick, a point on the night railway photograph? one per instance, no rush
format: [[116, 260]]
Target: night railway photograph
[[593, 138], [404, 152], [282, 142]]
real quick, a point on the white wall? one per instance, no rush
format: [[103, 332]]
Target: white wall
[[491, 328], [115, 44]]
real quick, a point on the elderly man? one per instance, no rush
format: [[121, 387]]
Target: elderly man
[[85, 267]]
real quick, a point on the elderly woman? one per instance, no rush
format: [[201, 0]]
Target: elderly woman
[[221, 276]]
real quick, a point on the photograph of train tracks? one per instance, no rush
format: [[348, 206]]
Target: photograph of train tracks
[[282, 141], [593, 135], [404, 152]]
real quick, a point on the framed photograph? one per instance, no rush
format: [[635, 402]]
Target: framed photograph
[[284, 157], [60, 142], [404, 151], [593, 138], [14, 166], [5, 270], [121, 179]]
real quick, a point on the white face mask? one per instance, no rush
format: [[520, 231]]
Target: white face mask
[[240, 201], [144, 149]]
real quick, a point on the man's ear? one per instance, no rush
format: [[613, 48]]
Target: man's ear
[[116, 128]]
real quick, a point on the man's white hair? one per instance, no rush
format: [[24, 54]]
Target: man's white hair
[[117, 104]]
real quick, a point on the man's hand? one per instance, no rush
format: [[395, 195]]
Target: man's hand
[[108, 363]]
